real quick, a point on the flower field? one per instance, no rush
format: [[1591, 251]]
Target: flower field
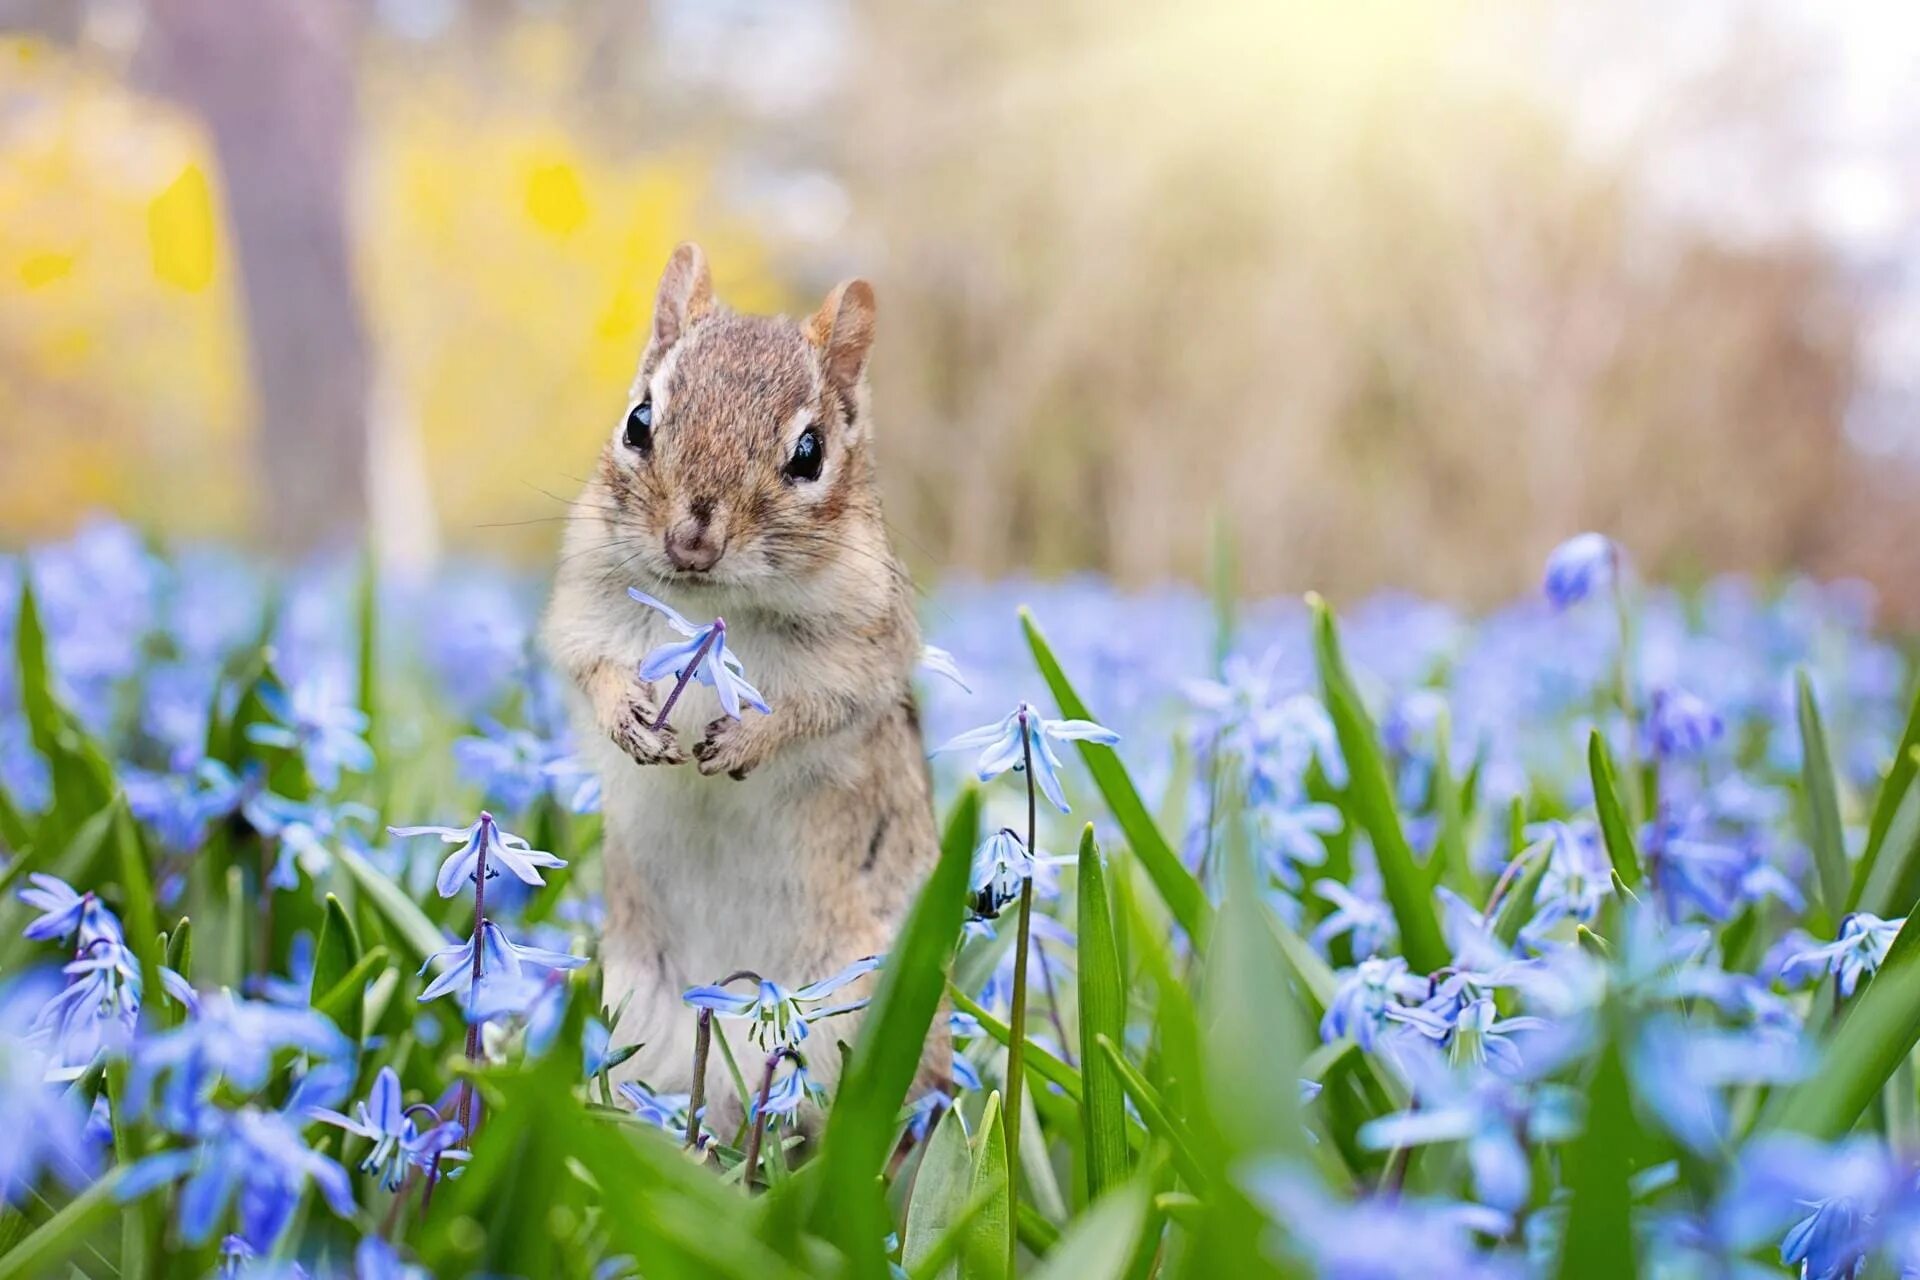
[[1565, 941]]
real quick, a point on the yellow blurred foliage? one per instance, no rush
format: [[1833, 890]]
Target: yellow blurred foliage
[[507, 266]]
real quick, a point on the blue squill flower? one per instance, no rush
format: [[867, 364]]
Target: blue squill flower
[[502, 961], [63, 911], [1001, 865], [1494, 1118], [227, 1041], [1680, 725], [1002, 748], [1682, 1072], [1291, 835], [1578, 567], [384, 1120], [777, 1012], [663, 1110], [788, 1093], [1859, 951], [719, 668], [937, 661], [48, 1129], [314, 720], [508, 765], [1364, 997], [484, 837], [1472, 1031], [1368, 920], [304, 831], [375, 1259], [1383, 1238], [251, 1156]]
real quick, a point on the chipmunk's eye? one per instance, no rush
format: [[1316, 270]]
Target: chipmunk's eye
[[639, 435], [809, 451]]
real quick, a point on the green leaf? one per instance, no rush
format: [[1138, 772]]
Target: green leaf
[[1103, 1013], [1893, 884], [1153, 1111], [1099, 1243], [940, 1191], [990, 1247], [66, 1233], [1177, 886], [1371, 801], [1893, 789], [1451, 860], [1615, 830], [136, 885], [82, 780], [393, 904], [1823, 806], [1039, 1062], [1599, 1233], [859, 1129], [335, 954], [366, 613], [1317, 978], [180, 949], [345, 1000], [1517, 907]]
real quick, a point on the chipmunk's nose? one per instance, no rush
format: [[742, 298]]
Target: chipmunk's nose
[[693, 543]]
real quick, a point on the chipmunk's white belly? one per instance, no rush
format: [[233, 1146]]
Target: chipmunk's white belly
[[705, 876]]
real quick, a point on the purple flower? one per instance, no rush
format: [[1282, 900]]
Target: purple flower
[[1001, 747], [663, 1110], [1681, 726], [1361, 1003], [500, 848], [48, 1129], [788, 1093], [230, 1041], [1578, 567], [62, 911], [719, 668]]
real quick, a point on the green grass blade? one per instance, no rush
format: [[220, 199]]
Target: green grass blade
[[1823, 805], [345, 1000], [65, 1234], [1615, 831], [1099, 1244], [1517, 907], [1103, 1014], [179, 954], [336, 953], [366, 608], [941, 1190], [1039, 1062], [1599, 1233], [1153, 1111], [1177, 885], [1371, 801], [1877, 1032], [1893, 883], [1886, 803], [136, 886], [990, 1244], [393, 904], [859, 1129]]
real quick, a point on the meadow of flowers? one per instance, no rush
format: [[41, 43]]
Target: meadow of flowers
[[1567, 941]]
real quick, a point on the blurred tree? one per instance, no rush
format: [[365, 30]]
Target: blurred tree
[[273, 80]]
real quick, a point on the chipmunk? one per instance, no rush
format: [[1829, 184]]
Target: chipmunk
[[739, 483]]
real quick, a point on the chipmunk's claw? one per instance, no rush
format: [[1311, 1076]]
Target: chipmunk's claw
[[635, 735], [724, 749]]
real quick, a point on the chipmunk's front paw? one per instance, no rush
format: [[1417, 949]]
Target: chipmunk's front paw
[[634, 734], [728, 748]]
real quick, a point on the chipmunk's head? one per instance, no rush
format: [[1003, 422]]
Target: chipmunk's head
[[741, 459]]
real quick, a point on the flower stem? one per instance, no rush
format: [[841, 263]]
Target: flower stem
[[473, 987], [759, 1131], [687, 672], [1017, 1039], [697, 1092]]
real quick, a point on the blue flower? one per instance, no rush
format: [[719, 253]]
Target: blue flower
[[484, 839], [1491, 1116], [1369, 920], [1001, 746], [1290, 834], [230, 1041], [1860, 949], [1000, 866], [375, 1259], [1578, 567], [48, 1128], [1681, 1072], [663, 1110], [1681, 726], [502, 961], [510, 766], [63, 910], [314, 720], [782, 1014], [384, 1120], [788, 1093], [303, 832], [937, 661], [1471, 1030], [253, 1156], [1367, 992], [719, 668]]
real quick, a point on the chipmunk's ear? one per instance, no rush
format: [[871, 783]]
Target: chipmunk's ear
[[843, 331], [686, 294]]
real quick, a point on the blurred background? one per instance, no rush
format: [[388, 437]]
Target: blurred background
[[1397, 295]]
